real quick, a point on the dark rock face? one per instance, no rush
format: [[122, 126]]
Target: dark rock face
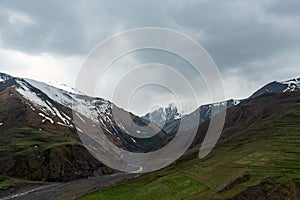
[[63, 163]]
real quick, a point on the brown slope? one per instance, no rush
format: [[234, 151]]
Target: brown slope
[[36, 150]]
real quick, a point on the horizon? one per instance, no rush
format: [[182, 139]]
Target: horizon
[[154, 108]]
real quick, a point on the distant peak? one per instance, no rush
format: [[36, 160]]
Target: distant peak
[[278, 87], [163, 115], [4, 77]]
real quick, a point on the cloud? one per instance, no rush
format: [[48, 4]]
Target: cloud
[[75, 28], [239, 32], [285, 8], [252, 43], [43, 67], [19, 19]]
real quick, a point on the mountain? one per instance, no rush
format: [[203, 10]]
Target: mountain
[[163, 116], [278, 87], [113, 119], [171, 126], [39, 137], [257, 157], [205, 113], [4, 77]]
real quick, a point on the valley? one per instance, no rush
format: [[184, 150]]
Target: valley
[[42, 156], [258, 161]]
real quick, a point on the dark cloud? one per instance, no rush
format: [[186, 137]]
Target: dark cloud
[[234, 33], [285, 8], [251, 42], [75, 27], [236, 36]]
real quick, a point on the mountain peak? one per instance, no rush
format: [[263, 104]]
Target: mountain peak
[[163, 115], [278, 87], [292, 85], [4, 77]]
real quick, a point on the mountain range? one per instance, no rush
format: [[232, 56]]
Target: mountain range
[[40, 142], [256, 157], [39, 139], [169, 119]]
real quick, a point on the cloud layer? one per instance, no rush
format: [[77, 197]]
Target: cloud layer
[[252, 43]]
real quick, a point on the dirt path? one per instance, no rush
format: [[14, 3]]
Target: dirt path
[[73, 189]]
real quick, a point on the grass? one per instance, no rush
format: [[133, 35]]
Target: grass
[[7, 182], [21, 150], [30, 142], [22, 141], [272, 152]]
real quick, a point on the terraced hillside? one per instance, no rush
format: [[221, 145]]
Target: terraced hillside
[[255, 159]]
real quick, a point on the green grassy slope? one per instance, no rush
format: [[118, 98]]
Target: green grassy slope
[[28, 154], [261, 161], [23, 152], [33, 150]]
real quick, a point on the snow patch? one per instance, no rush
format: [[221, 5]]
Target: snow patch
[[65, 121], [95, 109], [236, 102], [133, 140], [78, 129], [292, 85], [66, 125], [46, 118], [33, 97], [65, 88], [53, 93], [80, 117]]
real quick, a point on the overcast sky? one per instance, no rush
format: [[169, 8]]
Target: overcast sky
[[252, 42]]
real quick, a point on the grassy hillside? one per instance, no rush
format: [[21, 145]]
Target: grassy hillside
[[30, 154], [33, 150], [260, 162]]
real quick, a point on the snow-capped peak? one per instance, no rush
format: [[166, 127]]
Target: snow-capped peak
[[162, 116], [292, 85], [84, 105], [278, 87]]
